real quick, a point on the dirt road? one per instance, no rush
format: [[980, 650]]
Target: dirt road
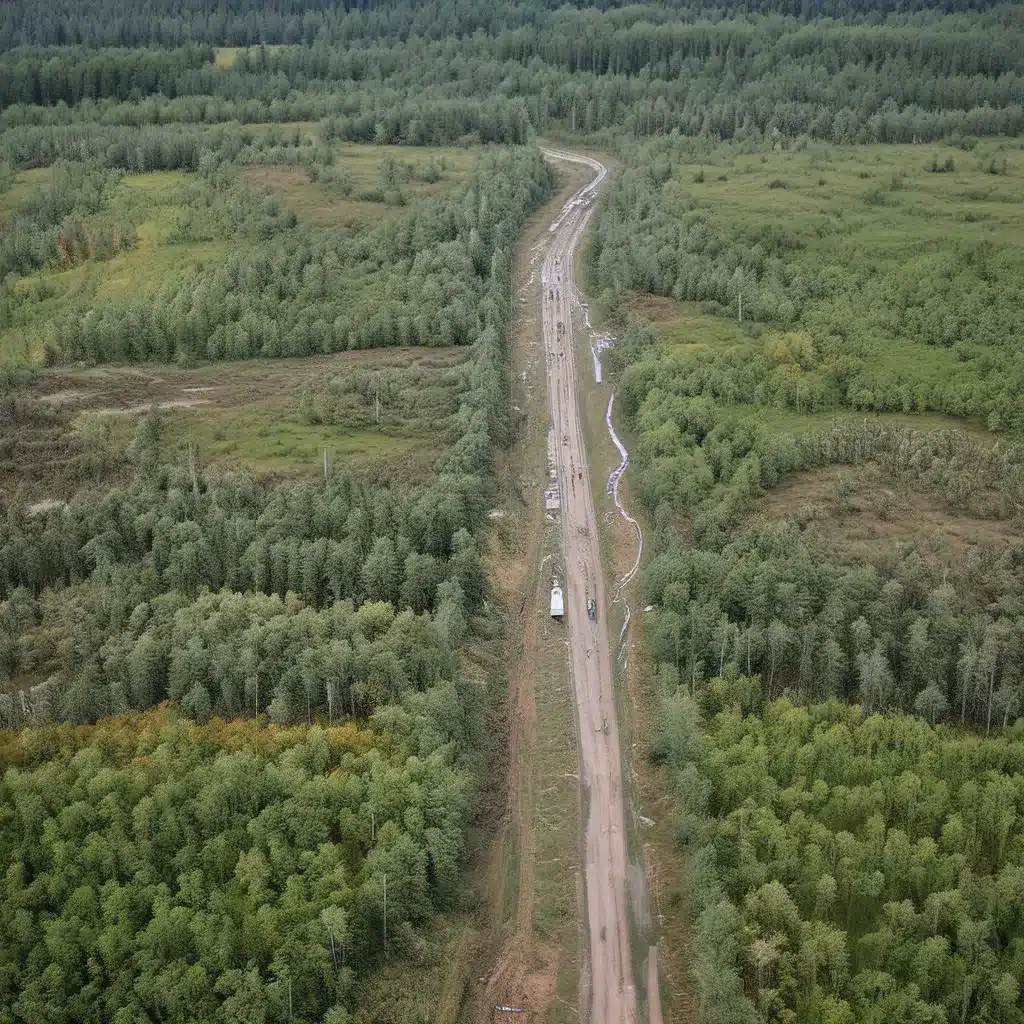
[[612, 995]]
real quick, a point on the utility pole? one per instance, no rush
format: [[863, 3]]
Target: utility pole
[[192, 450], [325, 465], [741, 307], [385, 914], [376, 400]]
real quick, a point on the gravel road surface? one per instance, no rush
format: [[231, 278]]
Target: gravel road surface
[[612, 995]]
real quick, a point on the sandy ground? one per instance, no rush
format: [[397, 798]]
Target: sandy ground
[[612, 997]]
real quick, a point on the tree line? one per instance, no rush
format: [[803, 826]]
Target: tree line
[[645, 71], [69, 75], [245, 23]]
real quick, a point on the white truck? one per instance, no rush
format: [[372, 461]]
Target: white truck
[[557, 602]]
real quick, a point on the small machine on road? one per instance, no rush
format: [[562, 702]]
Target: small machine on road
[[592, 608]]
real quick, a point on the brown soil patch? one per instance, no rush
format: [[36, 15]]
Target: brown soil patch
[[652, 307], [274, 177], [44, 455], [66, 397], [864, 508]]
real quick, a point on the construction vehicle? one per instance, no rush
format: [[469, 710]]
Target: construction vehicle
[[592, 608], [606, 726], [557, 602]]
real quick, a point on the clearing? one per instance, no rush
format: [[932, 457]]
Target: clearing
[[865, 513], [182, 220], [378, 409]]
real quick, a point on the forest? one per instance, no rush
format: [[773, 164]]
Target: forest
[[846, 868], [382, 74], [161, 870], [338, 607]]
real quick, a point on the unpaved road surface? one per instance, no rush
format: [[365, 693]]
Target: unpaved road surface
[[612, 995]]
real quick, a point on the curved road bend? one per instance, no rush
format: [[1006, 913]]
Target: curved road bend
[[612, 995]]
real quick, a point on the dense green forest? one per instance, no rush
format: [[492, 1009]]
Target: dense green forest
[[847, 868], [247, 23], [163, 871]]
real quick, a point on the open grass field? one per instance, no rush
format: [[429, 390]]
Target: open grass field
[[889, 236], [884, 205], [180, 221], [225, 56]]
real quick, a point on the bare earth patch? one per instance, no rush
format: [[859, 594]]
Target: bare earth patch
[[67, 397], [652, 307], [133, 389], [866, 509]]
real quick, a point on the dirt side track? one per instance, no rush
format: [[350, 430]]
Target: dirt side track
[[612, 995]]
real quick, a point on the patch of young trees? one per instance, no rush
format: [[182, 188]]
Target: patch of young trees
[[50, 226], [434, 277], [785, 599], [156, 870], [846, 868]]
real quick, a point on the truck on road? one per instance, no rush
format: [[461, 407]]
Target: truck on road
[[557, 602], [592, 608]]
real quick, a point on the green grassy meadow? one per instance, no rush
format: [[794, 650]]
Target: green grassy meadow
[[889, 279]]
